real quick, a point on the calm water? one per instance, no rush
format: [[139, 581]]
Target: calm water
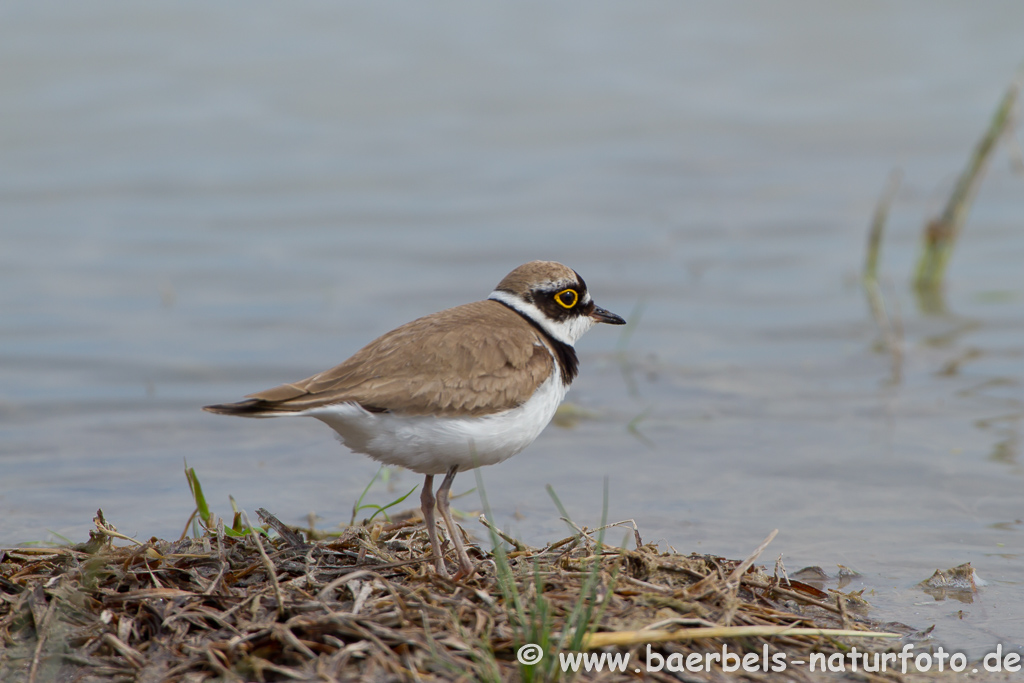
[[199, 202]]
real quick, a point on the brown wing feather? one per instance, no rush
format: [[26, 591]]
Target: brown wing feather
[[475, 359]]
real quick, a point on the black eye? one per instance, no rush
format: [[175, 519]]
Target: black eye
[[567, 298]]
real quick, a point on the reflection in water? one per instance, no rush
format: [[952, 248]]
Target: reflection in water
[[959, 583]]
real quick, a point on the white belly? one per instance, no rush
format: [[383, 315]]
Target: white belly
[[431, 445]]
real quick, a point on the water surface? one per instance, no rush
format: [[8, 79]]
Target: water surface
[[200, 202]]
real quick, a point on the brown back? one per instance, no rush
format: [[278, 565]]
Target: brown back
[[475, 359]]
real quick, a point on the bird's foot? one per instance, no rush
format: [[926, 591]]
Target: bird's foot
[[441, 569], [465, 572]]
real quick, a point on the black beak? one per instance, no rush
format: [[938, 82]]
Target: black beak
[[602, 316]]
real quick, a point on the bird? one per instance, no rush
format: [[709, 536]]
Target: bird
[[465, 387]]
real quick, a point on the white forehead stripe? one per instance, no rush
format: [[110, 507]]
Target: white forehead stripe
[[566, 331]]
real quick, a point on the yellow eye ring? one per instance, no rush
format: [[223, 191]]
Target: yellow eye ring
[[563, 298]]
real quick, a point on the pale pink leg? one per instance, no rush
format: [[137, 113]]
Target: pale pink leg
[[465, 565], [427, 502]]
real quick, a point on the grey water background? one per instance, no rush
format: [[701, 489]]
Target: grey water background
[[200, 201]]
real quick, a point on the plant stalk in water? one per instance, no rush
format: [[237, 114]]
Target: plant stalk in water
[[940, 234]]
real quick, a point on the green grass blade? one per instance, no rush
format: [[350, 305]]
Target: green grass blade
[[197, 494], [381, 509], [506, 580], [580, 621], [561, 509], [359, 503]]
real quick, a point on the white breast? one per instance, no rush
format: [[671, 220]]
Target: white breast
[[431, 445]]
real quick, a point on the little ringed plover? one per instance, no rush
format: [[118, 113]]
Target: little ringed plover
[[468, 386]]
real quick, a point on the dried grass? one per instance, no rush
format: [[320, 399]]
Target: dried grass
[[366, 606]]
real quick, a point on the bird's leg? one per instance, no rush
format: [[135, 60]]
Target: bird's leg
[[465, 566], [427, 503]]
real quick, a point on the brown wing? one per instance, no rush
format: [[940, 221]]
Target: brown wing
[[475, 359]]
